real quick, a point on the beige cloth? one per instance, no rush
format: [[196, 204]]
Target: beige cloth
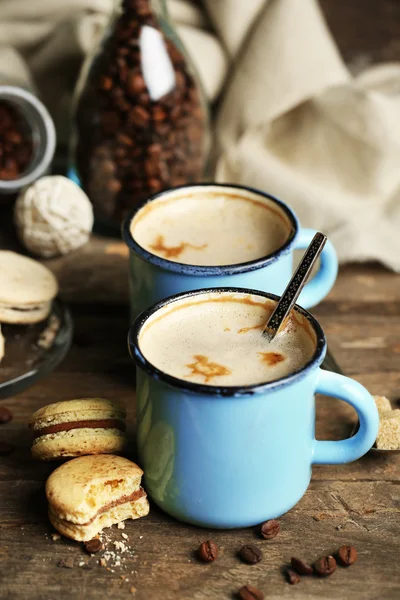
[[292, 120]]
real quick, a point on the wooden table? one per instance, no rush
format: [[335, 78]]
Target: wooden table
[[357, 503]]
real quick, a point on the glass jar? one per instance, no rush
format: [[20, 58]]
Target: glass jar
[[140, 118]]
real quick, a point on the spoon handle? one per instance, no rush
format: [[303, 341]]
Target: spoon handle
[[294, 287]]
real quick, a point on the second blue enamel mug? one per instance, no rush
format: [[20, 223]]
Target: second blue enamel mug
[[153, 278]]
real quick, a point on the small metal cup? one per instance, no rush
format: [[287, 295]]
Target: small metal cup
[[43, 136]]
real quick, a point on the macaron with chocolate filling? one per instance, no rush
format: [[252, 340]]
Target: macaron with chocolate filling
[[92, 492], [77, 427]]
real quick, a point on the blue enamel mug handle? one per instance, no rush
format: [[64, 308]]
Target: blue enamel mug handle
[[319, 287], [352, 392]]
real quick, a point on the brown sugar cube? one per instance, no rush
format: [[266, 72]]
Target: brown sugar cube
[[388, 437], [382, 404]]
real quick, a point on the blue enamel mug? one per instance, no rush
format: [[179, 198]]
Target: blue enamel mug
[[227, 457], [154, 277]]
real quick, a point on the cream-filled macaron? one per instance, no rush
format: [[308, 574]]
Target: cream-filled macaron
[[92, 492], [78, 427], [27, 289]]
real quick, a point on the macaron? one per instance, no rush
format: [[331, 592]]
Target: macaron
[[92, 492], [27, 289], [76, 427]]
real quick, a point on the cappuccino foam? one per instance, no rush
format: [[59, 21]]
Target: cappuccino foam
[[211, 226], [215, 339]]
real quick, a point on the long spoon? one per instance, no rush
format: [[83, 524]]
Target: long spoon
[[294, 287]]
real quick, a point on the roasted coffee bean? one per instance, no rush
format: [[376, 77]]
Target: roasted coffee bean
[[136, 84], [301, 567], [122, 104], [120, 153], [208, 551], [122, 68], [175, 112], [5, 448], [125, 163], [106, 83], [5, 415], [154, 149], [180, 79], [93, 546], [117, 93], [139, 116], [100, 152], [292, 577], [346, 555], [158, 113], [15, 142], [108, 167], [114, 186], [163, 130], [325, 566], [110, 121], [154, 185], [125, 139], [250, 554], [270, 529], [152, 168], [144, 98], [14, 137], [178, 181], [6, 116], [249, 592], [143, 10]]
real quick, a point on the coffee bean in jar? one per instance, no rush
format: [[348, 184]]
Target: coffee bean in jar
[[27, 140], [15, 142], [141, 122]]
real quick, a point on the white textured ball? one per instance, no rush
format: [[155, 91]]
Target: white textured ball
[[53, 216]]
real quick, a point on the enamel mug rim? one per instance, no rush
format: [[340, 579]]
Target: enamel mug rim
[[222, 391], [204, 270]]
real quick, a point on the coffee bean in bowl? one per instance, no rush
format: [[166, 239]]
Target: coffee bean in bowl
[[15, 142]]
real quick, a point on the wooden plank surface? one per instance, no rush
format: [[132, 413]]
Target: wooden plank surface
[[357, 503]]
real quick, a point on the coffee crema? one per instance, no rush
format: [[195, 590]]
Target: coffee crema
[[214, 338], [211, 226]]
